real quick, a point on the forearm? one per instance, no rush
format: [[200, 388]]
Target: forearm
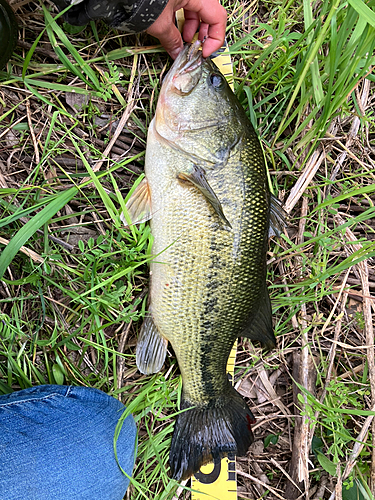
[[141, 18], [156, 17], [126, 15]]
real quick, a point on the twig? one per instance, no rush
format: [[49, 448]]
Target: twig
[[272, 396], [180, 489], [358, 445], [369, 331], [352, 132], [98, 222], [284, 281], [308, 174], [121, 124], [32, 133], [357, 448], [121, 360], [338, 487], [285, 473], [16, 6], [9, 127], [330, 316], [304, 374], [62, 243], [30, 253], [6, 289], [258, 481], [38, 50], [304, 180], [332, 351], [319, 494], [301, 229]]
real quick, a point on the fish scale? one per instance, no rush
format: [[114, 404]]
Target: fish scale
[[207, 196]]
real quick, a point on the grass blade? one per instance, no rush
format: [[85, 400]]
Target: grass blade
[[27, 231]]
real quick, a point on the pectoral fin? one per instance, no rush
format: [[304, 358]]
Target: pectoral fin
[[139, 204], [198, 178], [151, 348], [278, 217]]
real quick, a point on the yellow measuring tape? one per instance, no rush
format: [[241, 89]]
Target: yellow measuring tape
[[216, 481]]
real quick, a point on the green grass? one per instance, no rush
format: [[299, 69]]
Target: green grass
[[72, 315]]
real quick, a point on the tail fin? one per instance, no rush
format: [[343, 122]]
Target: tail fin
[[210, 432]]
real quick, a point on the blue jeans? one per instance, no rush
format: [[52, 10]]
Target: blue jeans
[[56, 443]]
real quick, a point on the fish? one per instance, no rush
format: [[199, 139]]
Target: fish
[[206, 195]]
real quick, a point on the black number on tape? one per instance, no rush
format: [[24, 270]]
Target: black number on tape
[[211, 477]]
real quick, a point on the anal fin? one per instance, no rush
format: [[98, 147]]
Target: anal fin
[[151, 348]]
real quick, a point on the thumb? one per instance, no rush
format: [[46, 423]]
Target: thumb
[[170, 38]]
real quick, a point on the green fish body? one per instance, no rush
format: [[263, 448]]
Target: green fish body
[[207, 196]]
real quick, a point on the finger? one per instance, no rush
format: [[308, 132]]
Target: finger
[[192, 21], [215, 16], [210, 46], [171, 40], [215, 39], [203, 31]]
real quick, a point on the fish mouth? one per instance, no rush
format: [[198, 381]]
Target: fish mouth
[[189, 69], [193, 57]]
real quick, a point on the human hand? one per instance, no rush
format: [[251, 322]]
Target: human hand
[[209, 14]]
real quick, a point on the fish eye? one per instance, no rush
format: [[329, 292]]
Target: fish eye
[[216, 80]]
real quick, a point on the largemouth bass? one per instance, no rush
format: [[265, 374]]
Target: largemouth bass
[[205, 190]]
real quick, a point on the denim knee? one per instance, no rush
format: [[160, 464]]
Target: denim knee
[[57, 443]]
